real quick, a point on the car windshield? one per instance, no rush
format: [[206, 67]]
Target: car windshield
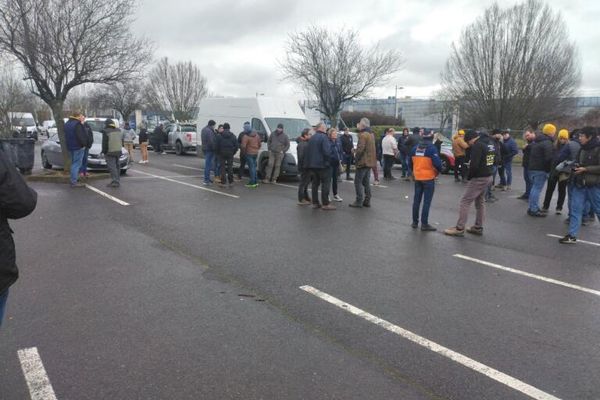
[[292, 126], [23, 121], [188, 128], [97, 137], [96, 126]]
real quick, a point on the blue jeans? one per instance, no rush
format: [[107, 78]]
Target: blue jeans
[[578, 197], [3, 297], [84, 160], [506, 173], [76, 159], [404, 161], [251, 161], [209, 157], [538, 180], [488, 194], [423, 189], [527, 181]]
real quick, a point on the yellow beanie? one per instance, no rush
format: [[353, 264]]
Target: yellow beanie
[[461, 132], [549, 130], [563, 134]]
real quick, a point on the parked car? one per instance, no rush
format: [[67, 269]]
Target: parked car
[[52, 155], [47, 125], [181, 137]]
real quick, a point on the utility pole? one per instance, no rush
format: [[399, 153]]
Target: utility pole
[[396, 101]]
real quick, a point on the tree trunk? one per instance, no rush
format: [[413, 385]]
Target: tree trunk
[[57, 111]]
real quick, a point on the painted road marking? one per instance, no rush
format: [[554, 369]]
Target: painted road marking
[[578, 241], [35, 375], [189, 185], [186, 167], [168, 176], [530, 275], [284, 185], [476, 366], [108, 196]]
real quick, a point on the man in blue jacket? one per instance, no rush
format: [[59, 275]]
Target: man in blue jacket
[[509, 151], [208, 136], [317, 159], [77, 139]]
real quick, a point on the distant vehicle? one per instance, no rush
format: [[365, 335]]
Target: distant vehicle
[[446, 154], [180, 137], [46, 125], [23, 121], [52, 155], [264, 114]]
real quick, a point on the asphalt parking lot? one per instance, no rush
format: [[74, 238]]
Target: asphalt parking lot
[[171, 290]]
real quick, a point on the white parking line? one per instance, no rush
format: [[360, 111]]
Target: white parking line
[[190, 185], [35, 375], [530, 275], [578, 240], [284, 185], [186, 167], [476, 366], [108, 196], [168, 176]]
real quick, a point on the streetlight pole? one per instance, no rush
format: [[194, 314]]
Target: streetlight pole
[[396, 101]]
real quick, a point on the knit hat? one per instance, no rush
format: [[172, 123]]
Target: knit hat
[[549, 130], [461, 132], [563, 134], [471, 135]]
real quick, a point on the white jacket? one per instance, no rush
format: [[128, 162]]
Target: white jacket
[[389, 145]]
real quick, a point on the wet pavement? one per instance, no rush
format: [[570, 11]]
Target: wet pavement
[[193, 293]]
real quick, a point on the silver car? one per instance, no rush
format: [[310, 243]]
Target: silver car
[[52, 155]]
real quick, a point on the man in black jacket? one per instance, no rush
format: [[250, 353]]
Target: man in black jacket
[[481, 168], [540, 164], [347, 150], [17, 200], [226, 145]]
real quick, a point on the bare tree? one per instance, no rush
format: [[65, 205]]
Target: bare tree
[[335, 68], [513, 66], [444, 106], [13, 95], [176, 88], [124, 98], [62, 44]]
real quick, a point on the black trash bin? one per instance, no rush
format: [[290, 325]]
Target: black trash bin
[[21, 152]]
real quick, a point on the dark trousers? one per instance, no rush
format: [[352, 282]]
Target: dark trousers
[[305, 178], [226, 168], [242, 165], [460, 169], [362, 185], [388, 163], [335, 172], [348, 164], [404, 160], [527, 181], [423, 192], [321, 177], [562, 192]]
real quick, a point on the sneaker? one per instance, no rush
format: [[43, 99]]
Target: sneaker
[[537, 214], [367, 203], [454, 231], [337, 198], [376, 183], [475, 230], [355, 205], [414, 225], [164, 152], [141, 162], [507, 189], [205, 183], [304, 203], [428, 228], [558, 211], [328, 207], [498, 187], [266, 182], [544, 210], [523, 197], [77, 185], [315, 206], [568, 239]]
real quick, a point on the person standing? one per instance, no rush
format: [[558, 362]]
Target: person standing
[[410, 142], [459, 149], [207, 137], [348, 151], [562, 141], [226, 145], [144, 143], [438, 139], [157, 138], [305, 173], [112, 145], [497, 140], [528, 137], [365, 160], [245, 132], [17, 200], [389, 148], [379, 157], [403, 151], [426, 165], [336, 160], [251, 144], [83, 172], [76, 138], [585, 184], [509, 151], [278, 144], [481, 168], [217, 160], [129, 136], [540, 163], [317, 158]]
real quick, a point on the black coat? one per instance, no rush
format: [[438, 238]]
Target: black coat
[[17, 200], [542, 153], [226, 144]]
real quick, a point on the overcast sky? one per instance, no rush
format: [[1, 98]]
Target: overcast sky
[[237, 43]]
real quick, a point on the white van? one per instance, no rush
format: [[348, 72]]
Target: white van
[[19, 120], [264, 114]]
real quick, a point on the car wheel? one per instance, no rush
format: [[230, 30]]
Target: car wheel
[[445, 165], [262, 171], [45, 162], [179, 150]]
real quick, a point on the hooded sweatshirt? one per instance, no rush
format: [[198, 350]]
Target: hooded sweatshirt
[[278, 142]]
